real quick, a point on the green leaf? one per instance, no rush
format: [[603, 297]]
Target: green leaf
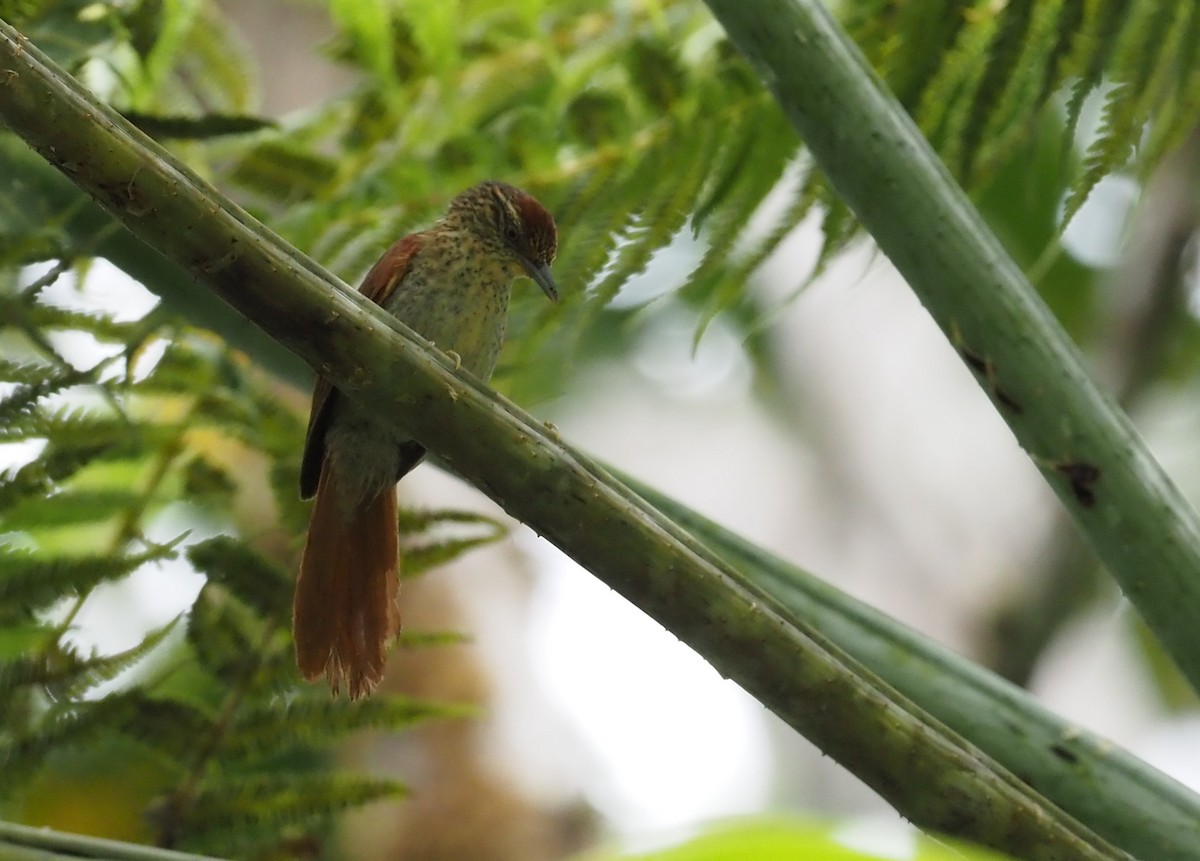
[[18, 638], [419, 557], [240, 812], [161, 126], [225, 636], [251, 577], [85, 674], [789, 840], [30, 581], [368, 26], [318, 722]]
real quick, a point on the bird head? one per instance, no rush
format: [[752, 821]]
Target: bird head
[[516, 225]]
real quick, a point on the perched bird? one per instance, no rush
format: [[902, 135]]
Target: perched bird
[[450, 283]]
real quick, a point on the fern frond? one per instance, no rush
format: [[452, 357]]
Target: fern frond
[[203, 66], [596, 206], [318, 722], [30, 581], [1182, 104], [25, 373], [1127, 105], [351, 244], [165, 728], [907, 41], [596, 211], [224, 635], [1090, 53], [170, 729], [72, 507], [17, 677], [40, 477], [205, 483], [74, 427], [21, 400], [262, 585], [242, 812], [412, 639], [367, 26], [838, 227], [803, 204], [1026, 79], [51, 317], [419, 557], [1012, 46], [767, 153], [946, 102], [21, 756], [185, 368], [18, 638], [281, 170], [86, 674], [663, 216], [202, 127], [414, 521], [64, 674]]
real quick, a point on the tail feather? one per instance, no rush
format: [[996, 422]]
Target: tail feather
[[345, 612]]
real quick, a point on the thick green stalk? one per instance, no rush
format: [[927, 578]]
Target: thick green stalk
[[875, 157], [929, 773], [39, 195], [1112, 792], [22, 843]]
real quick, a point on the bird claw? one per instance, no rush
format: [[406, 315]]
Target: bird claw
[[457, 359]]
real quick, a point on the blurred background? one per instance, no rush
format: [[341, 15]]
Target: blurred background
[[841, 432]]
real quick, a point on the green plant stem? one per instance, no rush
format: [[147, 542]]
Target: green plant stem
[[928, 772], [875, 157], [1114, 793], [22, 843], [1146, 296], [40, 195], [172, 821]]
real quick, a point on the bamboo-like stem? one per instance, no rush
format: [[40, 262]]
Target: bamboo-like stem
[[928, 772], [1139, 525], [23, 843], [1113, 792]]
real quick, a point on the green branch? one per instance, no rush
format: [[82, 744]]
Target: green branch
[[45, 198], [875, 157], [22, 843], [928, 772], [1111, 791]]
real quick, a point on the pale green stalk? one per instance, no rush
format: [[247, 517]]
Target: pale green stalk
[[1145, 533], [928, 772]]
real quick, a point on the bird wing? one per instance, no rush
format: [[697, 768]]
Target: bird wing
[[377, 286]]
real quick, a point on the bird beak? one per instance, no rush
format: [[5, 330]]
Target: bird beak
[[542, 276]]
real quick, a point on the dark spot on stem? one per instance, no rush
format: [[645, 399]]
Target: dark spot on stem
[[1083, 478], [1007, 400], [986, 369], [974, 361], [1064, 753]]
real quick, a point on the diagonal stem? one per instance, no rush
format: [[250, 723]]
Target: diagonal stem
[[927, 771], [1133, 517]]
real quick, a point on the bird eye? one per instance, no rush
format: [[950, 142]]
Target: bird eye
[[510, 231]]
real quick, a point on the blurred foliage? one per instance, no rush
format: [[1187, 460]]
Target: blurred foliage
[[638, 126], [788, 840], [202, 723]]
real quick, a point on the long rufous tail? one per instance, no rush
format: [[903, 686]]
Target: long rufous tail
[[345, 612]]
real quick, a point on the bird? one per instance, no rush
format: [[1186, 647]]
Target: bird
[[450, 283]]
